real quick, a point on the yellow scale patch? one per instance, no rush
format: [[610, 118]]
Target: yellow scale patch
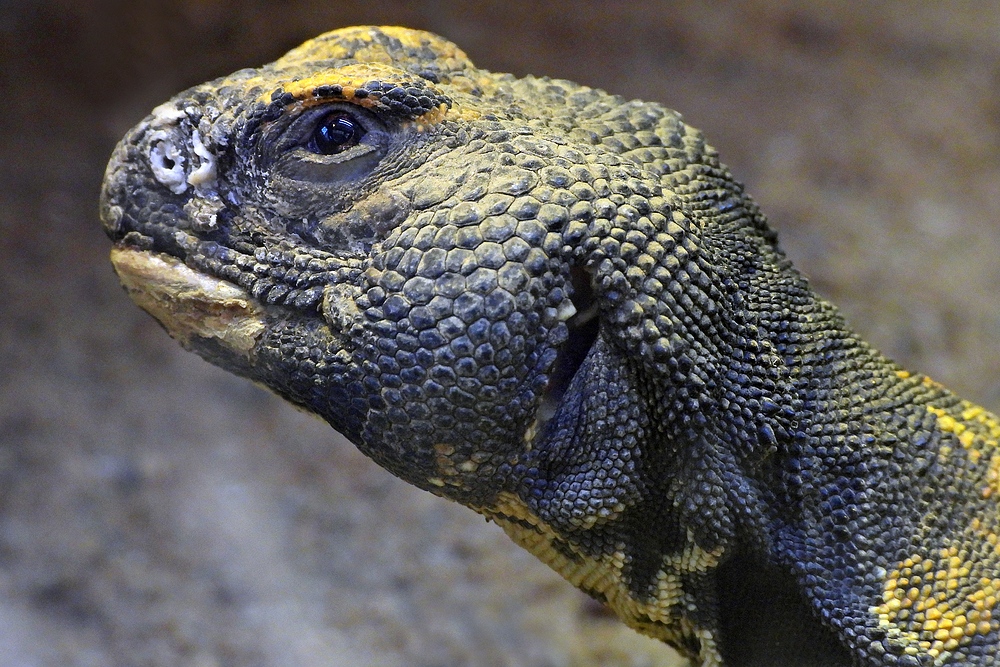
[[659, 617], [936, 604], [939, 600], [979, 434], [332, 45]]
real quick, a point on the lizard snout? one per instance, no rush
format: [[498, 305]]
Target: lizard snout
[[171, 150]]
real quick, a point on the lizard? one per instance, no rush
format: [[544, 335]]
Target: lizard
[[557, 307]]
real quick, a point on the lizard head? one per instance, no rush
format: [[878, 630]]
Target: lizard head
[[411, 248]]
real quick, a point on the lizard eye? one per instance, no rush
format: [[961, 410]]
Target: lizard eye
[[334, 145], [336, 133]]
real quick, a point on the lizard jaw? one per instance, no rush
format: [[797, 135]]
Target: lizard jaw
[[193, 307]]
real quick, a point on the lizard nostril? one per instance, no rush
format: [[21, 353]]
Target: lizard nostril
[[167, 163]]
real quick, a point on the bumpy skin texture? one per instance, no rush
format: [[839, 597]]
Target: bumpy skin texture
[[557, 307]]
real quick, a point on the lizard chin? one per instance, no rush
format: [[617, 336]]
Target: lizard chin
[[196, 309]]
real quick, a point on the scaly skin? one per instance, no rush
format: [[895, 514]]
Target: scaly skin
[[557, 307]]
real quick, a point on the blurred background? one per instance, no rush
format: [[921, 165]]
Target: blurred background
[[156, 511]]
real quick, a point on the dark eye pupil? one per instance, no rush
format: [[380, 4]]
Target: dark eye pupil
[[335, 134]]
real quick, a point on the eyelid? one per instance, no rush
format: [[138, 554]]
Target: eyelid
[[357, 150]]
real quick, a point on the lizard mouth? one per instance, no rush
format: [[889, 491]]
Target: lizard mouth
[[272, 270], [584, 327], [193, 307]]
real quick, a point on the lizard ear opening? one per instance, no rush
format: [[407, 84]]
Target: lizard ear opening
[[584, 327]]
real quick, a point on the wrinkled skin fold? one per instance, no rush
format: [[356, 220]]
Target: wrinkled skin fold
[[557, 307]]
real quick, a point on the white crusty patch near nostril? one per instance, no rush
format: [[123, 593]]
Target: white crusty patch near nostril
[[204, 176], [167, 162], [167, 114]]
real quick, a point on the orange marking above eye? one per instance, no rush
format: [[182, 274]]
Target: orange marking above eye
[[377, 87], [349, 79]]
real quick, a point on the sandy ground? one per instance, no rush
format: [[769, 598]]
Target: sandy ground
[[155, 511]]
